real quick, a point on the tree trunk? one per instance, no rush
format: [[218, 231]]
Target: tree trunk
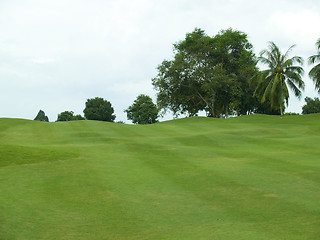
[[210, 106]]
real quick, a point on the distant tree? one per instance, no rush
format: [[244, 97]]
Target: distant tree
[[68, 116], [65, 116], [281, 73], [314, 73], [99, 109], [78, 117], [41, 116], [311, 106], [142, 111], [291, 114]]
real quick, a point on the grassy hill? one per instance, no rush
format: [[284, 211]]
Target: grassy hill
[[253, 177]]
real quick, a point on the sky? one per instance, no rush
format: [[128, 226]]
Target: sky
[[56, 54]]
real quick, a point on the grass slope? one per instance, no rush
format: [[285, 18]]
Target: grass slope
[[253, 177]]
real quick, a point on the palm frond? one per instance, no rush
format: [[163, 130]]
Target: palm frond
[[313, 59], [270, 56], [276, 53], [287, 63], [296, 69], [261, 83], [314, 74], [291, 61], [315, 71], [297, 92], [316, 57], [297, 59], [318, 44], [265, 60], [273, 47], [266, 93], [286, 55]]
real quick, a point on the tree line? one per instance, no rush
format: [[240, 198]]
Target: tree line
[[218, 75], [142, 111]]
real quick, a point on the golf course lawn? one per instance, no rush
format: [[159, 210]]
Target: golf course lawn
[[252, 177]]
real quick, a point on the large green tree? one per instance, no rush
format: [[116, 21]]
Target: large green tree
[[142, 111], [282, 72], [314, 73], [99, 109], [207, 73]]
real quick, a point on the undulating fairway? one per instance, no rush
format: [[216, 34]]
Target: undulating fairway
[[253, 177]]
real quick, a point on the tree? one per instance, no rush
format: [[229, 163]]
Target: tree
[[311, 106], [207, 73], [314, 73], [68, 116], [234, 54], [78, 117], [281, 72], [65, 116], [142, 111], [99, 109], [41, 116]]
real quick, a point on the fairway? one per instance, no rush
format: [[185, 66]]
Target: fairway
[[246, 178]]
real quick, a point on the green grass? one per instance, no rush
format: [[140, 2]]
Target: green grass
[[252, 177]]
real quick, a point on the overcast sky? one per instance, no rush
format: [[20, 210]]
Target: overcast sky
[[55, 54]]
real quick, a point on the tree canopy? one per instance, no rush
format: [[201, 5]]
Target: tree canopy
[[99, 109], [41, 116], [311, 106], [208, 73], [142, 111]]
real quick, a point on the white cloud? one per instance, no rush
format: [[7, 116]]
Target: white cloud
[[42, 60], [296, 27]]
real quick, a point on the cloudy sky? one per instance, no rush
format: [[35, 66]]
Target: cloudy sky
[[55, 54]]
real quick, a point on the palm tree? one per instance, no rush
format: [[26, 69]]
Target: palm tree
[[281, 72], [314, 73]]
